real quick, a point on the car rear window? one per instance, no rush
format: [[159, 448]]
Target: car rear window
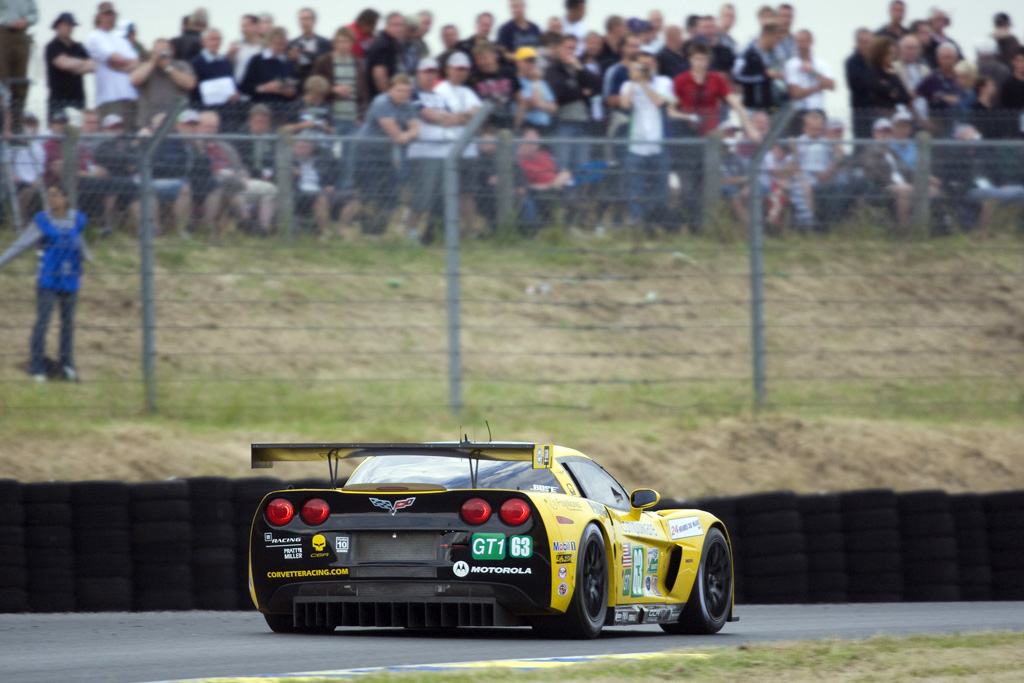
[[454, 473]]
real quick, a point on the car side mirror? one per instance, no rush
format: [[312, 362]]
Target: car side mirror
[[641, 499]]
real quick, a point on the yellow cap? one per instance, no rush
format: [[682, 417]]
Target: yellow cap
[[525, 53]]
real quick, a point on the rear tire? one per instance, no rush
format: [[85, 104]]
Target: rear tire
[[285, 623], [589, 605], [710, 602]]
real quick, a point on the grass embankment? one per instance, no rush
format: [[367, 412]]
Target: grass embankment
[[889, 363], [985, 658]]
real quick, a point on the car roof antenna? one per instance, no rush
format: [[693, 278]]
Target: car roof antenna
[[489, 437]]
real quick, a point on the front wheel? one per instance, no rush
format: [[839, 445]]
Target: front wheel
[[710, 602], [589, 605], [285, 623]]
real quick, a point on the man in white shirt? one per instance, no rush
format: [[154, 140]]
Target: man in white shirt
[[807, 76], [445, 109], [115, 59], [573, 24], [647, 96], [242, 51]]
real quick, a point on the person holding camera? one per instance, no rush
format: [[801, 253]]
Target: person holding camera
[[647, 97], [160, 80]]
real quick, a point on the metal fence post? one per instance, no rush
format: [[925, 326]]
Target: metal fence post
[[69, 165], [922, 182], [285, 188], [506, 178], [147, 148], [712, 172], [451, 246], [779, 126]]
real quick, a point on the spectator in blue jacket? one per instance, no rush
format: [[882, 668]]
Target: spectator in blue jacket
[[218, 73], [57, 234]]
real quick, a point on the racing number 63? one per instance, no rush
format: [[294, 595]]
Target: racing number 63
[[521, 546]]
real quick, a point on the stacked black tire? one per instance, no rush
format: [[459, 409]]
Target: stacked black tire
[[971, 535], [823, 540], [770, 554], [13, 572], [49, 547], [1005, 512], [930, 561], [214, 566], [103, 546], [161, 516], [873, 545], [247, 495]]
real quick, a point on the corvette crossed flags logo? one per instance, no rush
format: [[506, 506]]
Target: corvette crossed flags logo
[[395, 506]]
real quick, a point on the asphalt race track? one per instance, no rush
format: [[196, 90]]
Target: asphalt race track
[[161, 646]]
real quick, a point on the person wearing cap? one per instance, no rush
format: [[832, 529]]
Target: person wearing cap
[[57, 234], [536, 103], [385, 56], [890, 180], [66, 62], [16, 18], [160, 81], [426, 154], [1006, 43], [495, 81], [344, 74], [115, 60], [482, 35], [517, 32]]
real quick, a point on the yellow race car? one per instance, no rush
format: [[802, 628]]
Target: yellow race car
[[443, 535]]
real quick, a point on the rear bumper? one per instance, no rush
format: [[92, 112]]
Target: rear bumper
[[426, 604]]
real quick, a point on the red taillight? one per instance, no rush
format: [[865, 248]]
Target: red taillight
[[514, 511], [315, 511], [476, 511], [279, 512]]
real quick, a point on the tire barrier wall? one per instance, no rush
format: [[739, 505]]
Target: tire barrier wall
[[183, 544]]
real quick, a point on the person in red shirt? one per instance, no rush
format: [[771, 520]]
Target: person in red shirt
[[700, 92], [539, 168], [364, 28]]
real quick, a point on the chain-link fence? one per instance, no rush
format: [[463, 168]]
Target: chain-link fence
[[303, 275]]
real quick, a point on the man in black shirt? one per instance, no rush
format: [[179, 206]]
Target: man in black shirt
[[517, 32], [1011, 95], [857, 83], [385, 56], [66, 62], [496, 82]]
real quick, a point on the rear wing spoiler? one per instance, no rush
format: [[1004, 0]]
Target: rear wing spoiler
[[264, 455]]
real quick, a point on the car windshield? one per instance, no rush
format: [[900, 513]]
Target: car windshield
[[454, 473]]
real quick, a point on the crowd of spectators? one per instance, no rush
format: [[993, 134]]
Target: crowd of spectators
[[636, 83]]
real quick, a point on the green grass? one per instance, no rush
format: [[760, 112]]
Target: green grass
[[982, 657], [322, 375]]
